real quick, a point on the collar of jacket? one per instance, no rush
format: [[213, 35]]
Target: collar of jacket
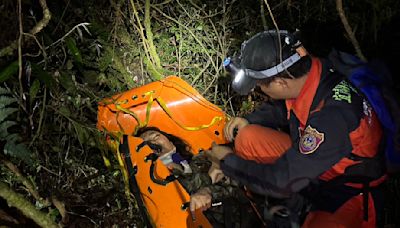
[[302, 104]]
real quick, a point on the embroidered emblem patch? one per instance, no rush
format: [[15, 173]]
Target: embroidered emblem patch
[[342, 91], [310, 140]]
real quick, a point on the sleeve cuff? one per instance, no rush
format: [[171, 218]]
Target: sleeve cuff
[[229, 161]]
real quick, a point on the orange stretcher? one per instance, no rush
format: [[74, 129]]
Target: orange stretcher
[[173, 106]]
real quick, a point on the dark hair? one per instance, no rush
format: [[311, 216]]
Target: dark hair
[[182, 147], [297, 70]]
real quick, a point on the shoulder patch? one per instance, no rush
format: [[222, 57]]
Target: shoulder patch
[[342, 91], [310, 140]]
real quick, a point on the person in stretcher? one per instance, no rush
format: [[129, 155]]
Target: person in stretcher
[[226, 204]]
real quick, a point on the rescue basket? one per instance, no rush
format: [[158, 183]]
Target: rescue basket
[[173, 106]]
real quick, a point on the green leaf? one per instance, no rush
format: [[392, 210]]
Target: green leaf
[[6, 73], [105, 61], [6, 112], [74, 49], [4, 128], [19, 151], [64, 111], [53, 214], [66, 82], [6, 100], [43, 76], [12, 138], [33, 91], [82, 133]]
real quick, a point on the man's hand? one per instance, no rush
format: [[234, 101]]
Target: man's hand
[[200, 200], [235, 123], [217, 153], [215, 173]]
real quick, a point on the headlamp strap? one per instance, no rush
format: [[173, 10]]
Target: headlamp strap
[[275, 69]]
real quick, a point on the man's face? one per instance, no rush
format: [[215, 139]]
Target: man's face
[[277, 89]]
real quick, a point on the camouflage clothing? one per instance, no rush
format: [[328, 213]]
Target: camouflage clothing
[[235, 206], [199, 178]]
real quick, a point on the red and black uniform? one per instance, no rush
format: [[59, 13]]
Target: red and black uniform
[[335, 145]]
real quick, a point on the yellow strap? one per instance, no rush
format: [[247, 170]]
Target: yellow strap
[[123, 170], [161, 102], [107, 162], [148, 108], [118, 107]]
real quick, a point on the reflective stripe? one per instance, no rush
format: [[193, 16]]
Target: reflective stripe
[[275, 69]]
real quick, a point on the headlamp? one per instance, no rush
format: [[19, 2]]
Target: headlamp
[[244, 80], [241, 83]]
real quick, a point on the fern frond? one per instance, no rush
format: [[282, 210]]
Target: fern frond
[[18, 151], [4, 128], [6, 112], [12, 138], [6, 100], [3, 91], [13, 146]]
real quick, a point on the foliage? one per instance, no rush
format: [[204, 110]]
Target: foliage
[[13, 146]]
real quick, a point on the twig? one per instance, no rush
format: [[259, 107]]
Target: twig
[[149, 35], [83, 216], [200, 73], [27, 183], [264, 21], [231, 105], [279, 37], [163, 3], [61, 208], [45, 20], [21, 32], [148, 47], [84, 24], [211, 84], [48, 170], [347, 27], [277, 29], [38, 27], [215, 93], [40, 46], [62, 15], [40, 118]]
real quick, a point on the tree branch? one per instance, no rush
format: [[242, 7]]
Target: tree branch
[[17, 200], [149, 35], [347, 27], [38, 27], [27, 183]]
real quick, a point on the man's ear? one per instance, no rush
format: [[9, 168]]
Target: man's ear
[[281, 82]]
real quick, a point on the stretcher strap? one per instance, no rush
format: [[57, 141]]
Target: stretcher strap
[[115, 147], [106, 161], [123, 170], [163, 105]]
